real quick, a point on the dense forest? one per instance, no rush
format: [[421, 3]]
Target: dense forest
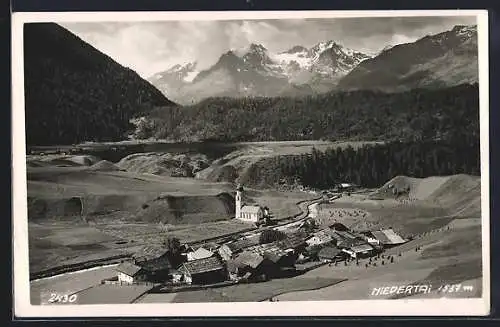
[[418, 114], [74, 93], [373, 165]]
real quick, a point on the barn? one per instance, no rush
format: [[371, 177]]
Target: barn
[[204, 271], [388, 238], [329, 254], [129, 273], [360, 251]]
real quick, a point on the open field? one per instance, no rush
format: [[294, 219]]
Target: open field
[[69, 283], [255, 291], [112, 294]]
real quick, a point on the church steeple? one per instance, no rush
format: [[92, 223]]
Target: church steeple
[[239, 193]]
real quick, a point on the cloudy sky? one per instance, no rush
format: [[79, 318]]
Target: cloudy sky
[[151, 47]]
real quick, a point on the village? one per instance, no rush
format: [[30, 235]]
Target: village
[[270, 252]]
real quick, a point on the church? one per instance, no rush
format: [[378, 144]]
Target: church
[[249, 213]]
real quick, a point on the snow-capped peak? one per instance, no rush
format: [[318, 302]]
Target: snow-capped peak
[[464, 30]]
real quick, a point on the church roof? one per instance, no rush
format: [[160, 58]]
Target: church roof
[[250, 209]]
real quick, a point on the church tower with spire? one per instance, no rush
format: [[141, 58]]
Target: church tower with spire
[[238, 205]]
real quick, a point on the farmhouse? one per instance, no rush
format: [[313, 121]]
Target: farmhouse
[[155, 262], [388, 238], [128, 273], [293, 243], [360, 251], [329, 253], [204, 271], [274, 253], [251, 265], [229, 250], [249, 213], [347, 240]]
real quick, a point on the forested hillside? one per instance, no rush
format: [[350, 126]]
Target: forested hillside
[[418, 114], [372, 166], [75, 93], [368, 166]]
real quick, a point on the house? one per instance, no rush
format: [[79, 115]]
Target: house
[[329, 254], [388, 238], [200, 253], [129, 273], [229, 250], [370, 239], [274, 253], [155, 262], [251, 265], [249, 213], [204, 271], [295, 243], [346, 239], [360, 251]]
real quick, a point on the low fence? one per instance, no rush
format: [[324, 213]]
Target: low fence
[[79, 266]]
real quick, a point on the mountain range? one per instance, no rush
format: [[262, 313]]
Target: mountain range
[[258, 72], [441, 60]]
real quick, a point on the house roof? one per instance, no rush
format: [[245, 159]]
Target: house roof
[[362, 248], [250, 209], [151, 252], [388, 236], [203, 265], [200, 253], [324, 235], [346, 234], [291, 242], [271, 251], [242, 244], [128, 268], [249, 258], [329, 252], [156, 264]]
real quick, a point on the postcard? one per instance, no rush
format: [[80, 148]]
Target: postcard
[[260, 163]]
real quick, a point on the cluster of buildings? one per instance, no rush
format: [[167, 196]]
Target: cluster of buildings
[[247, 259]]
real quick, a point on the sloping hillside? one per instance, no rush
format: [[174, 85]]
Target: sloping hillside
[[460, 193], [75, 93], [435, 61], [187, 209]]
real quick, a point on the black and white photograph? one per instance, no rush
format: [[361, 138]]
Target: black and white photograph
[[289, 163]]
